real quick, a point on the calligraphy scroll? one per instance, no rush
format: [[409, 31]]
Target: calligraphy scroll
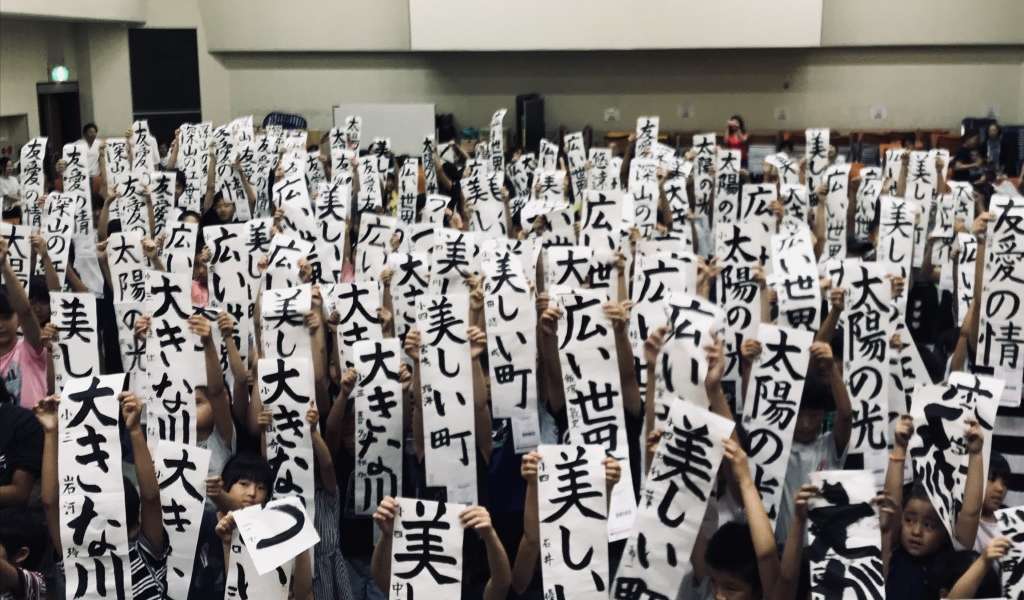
[[283, 321], [446, 378], [1011, 566], [276, 532], [179, 249], [939, 446], [244, 583], [512, 348], [770, 409], [284, 255], [93, 532], [57, 227], [816, 152], [286, 390], [837, 203], [673, 501], [378, 416], [646, 136], [867, 207], [426, 550], [572, 512], [32, 179], [727, 185], [795, 203], [1001, 328], [593, 392], [175, 362], [896, 239], [866, 330], [75, 354], [19, 251], [132, 347], [76, 184], [373, 245], [845, 544], [576, 157], [181, 471]]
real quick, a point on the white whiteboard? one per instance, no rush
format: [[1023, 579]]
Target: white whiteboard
[[405, 124]]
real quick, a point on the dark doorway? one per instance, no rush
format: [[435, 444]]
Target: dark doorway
[[60, 116], [165, 79]]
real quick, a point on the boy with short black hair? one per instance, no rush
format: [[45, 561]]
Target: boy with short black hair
[[22, 542], [246, 480]]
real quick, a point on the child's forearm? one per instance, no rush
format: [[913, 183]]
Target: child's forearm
[[792, 554], [48, 488], [627, 375], [967, 585], [482, 411], [380, 563], [497, 563], [970, 513]]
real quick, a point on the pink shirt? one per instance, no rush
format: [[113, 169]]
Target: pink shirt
[[24, 373], [200, 295]]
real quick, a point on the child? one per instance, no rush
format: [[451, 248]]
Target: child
[[813, 450], [331, 577], [995, 492], [22, 542], [474, 517], [527, 557], [921, 534], [741, 558], [246, 480], [302, 576], [147, 543], [22, 360]]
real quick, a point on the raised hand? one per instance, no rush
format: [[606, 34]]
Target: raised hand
[[46, 413], [476, 518], [385, 515], [654, 343]]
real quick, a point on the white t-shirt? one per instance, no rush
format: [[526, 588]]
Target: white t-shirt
[[92, 156], [987, 531], [804, 459], [9, 187]]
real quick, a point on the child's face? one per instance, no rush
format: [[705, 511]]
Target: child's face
[[808, 425], [922, 532], [42, 311], [8, 329], [248, 492], [728, 586], [995, 493], [225, 210]]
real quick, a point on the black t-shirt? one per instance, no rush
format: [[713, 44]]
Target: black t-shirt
[[21, 442]]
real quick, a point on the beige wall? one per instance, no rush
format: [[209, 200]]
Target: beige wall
[[27, 49], [77, 10], [1020, 96], [110, 90], [300, 25], [607, 24], [832, 87], [921, 22]]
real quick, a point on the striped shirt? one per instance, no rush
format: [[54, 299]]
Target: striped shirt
[[30, 586], [148, 571], [330, 573]]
